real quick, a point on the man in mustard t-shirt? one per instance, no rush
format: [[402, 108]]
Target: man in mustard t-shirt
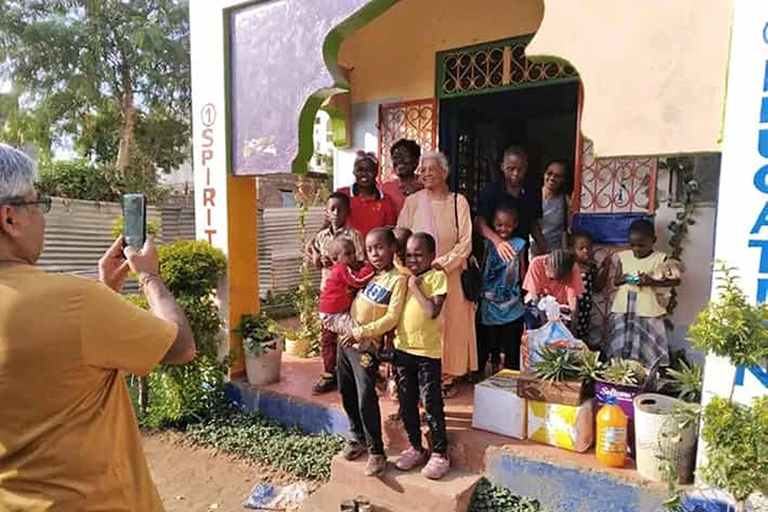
[[68, 436]]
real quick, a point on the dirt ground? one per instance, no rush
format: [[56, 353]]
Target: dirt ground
[[192, 479]]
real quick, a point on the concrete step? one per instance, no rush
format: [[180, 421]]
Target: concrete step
[[396, 440], [329, 497], [408, 490]]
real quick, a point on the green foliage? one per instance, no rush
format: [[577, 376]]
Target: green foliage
[[183, 394], [256, 330], [624, 372], [736, 437], [495, 498], [248, 435], [191, 268], [80, 179], [687, 381], [306, 295], [280, 305], [684, 217], [731, 326], [107, 75], [561, 364]]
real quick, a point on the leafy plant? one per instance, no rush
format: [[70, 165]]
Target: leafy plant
[[495, 498], [257, 330], [178, 395], [590, 365], [687, 381], [191, 268], [684, 217], [623, 372], [735, 434], [253, 437], [558, 364], [732, 326]]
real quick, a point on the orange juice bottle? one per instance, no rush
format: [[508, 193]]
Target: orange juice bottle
[[611, 447]]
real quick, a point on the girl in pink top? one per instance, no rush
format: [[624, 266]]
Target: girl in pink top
[[557, 275]]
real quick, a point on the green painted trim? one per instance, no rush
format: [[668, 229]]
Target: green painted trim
[[338, 126], [331, 47], [440, 69]]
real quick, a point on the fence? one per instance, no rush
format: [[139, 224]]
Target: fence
[[280, 250], [78, 232]]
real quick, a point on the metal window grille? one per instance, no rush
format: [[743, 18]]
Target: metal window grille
[[416, 120]]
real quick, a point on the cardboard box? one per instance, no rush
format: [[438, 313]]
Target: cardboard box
[[563, 426], [498, 409]]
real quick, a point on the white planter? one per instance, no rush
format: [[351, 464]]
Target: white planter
[[651, 420], [265, 369]]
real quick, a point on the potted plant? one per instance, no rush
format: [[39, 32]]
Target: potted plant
[[735, 433], [560, 376], [263, 349]]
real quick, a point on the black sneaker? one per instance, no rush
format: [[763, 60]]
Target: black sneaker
[[326, 384], [353, 450]]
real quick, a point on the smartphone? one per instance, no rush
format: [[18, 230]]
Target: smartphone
[[134, 220]]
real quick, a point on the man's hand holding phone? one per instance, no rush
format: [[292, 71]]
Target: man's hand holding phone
[[145, 263]]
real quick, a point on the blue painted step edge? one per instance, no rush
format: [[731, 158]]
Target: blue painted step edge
[[289, 411]]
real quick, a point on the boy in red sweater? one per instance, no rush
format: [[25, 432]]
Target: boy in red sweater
[[340, 288]]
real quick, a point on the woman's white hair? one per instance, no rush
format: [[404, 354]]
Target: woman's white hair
[[437, 157], [17, 173]]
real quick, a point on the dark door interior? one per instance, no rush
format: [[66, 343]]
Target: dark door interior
[[475, 130]]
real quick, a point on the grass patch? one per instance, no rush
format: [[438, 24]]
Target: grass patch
[[495, 498], [253, 437]]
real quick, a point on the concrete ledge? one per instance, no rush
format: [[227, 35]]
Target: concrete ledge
[[566, 489], [289, 411]]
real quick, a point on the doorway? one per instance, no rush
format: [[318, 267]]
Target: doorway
[[475, 131]]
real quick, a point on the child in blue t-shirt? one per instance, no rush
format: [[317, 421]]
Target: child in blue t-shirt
[[501, 302]]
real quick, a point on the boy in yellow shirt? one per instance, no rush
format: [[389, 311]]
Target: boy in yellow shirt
[[418, 358], [376, 309]]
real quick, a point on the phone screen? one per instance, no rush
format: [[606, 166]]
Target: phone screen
[[134, 220]]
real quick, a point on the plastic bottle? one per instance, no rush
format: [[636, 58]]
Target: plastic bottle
[[611, 447]]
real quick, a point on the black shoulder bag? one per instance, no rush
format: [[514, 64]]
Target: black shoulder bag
[[471, 278]]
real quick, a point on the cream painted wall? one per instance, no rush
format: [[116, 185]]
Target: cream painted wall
[[394, 55], [654, 71]]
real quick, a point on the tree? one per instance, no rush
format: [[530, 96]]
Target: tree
[[110, 75]]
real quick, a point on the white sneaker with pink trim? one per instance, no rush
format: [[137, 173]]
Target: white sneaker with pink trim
[[437, 467]]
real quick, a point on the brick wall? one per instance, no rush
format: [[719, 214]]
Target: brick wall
[[271, 187]]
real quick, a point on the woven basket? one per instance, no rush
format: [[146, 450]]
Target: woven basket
[[651, 421]]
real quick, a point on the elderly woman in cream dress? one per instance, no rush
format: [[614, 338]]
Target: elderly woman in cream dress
[[446, 216]]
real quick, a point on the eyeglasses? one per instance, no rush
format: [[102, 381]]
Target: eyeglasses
[[42, 202]]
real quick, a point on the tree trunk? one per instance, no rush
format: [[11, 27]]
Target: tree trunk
[[128, 130]]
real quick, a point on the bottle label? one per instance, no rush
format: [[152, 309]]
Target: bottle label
[[614, 440]]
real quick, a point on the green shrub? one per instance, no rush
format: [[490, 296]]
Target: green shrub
[[80, 179], [253, 437], [495, 498], [737, 446], [191, 268], [180, 394], [183, 394]]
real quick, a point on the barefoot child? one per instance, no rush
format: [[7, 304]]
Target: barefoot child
[[594, 281], [637, 329], [337, 210], [341, 286], [377, 310], [418, 358], [501, 302]]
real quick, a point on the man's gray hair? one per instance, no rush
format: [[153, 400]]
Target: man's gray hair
[[17, 173], [437, 157]]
